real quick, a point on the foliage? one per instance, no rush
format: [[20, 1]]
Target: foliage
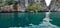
[[35, 6], [8, 2], [1, 4], [15, 5]]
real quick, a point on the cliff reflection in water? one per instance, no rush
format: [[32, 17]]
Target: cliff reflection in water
[[24, 19]]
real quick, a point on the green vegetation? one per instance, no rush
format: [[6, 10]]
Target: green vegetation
[[1, 4], [15, 5], [35, 7], [4, 3]]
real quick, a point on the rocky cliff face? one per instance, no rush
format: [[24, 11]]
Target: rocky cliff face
[[55, 5], [58, 5]]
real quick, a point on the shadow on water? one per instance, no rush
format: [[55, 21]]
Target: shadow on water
[[55, 16], [19, 19], [5, 20], [24, 19]]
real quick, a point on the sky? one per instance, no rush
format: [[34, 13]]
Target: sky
[[48, 2]]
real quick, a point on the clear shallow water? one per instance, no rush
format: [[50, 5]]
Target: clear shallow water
[[24, 19]]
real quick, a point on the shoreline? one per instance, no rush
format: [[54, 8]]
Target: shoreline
[[24, 11]]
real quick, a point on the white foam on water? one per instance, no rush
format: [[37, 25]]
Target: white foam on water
[[46, 22]]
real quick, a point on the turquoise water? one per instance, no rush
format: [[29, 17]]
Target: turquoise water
[[24, 19], [55, 16]]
